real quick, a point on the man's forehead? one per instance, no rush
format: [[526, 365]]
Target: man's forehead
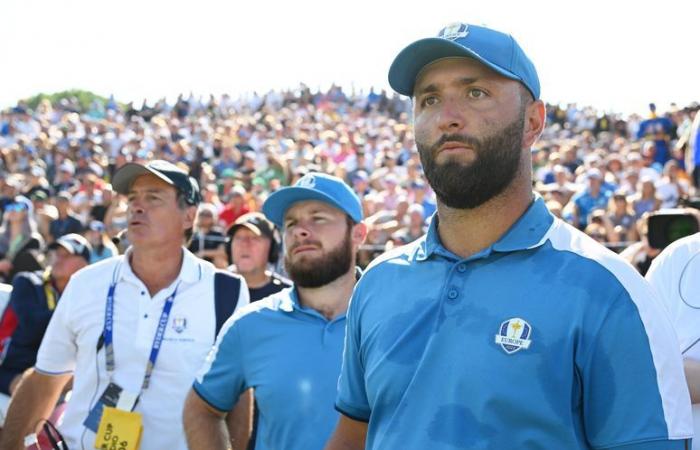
[[471, 68], [310, 207], [151, 183]]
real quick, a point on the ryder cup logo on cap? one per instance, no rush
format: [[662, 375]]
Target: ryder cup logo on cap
[[309, 181], [496, 50], [314, 186], [513, 335], [454, 31]]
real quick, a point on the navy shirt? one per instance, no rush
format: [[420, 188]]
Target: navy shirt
[[28, 301]]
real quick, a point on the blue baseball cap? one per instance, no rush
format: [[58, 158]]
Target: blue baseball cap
[[494, 49], [314, 186]]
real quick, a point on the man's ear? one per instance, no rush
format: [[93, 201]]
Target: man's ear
[[535, 119], [190, 217], [359, 233]]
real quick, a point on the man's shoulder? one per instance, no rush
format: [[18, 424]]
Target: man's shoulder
[[101, 272], [395, 259], [679, 252], [34, 278], [254, 316], [586, 256]]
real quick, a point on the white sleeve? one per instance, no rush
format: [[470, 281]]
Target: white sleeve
[[663, 275], [58, 350], [243, 295]]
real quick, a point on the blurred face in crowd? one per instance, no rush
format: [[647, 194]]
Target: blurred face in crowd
[[620, 204], [249, 251], [154, 217], [16, 212], [469, 124], [319, 243], [594, 184], [648, 188], [62, 205], [64, 264], [205, 220], [416, 218]]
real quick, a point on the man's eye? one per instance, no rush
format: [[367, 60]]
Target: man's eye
[[476, 93], [429, 100]]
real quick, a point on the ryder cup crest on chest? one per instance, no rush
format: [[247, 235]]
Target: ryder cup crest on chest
[[179, 324], [514, 335]]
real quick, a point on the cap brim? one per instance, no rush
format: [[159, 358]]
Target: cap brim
[[232, 229], [279, 202], [128, 172], [412, 60], [68, 248]]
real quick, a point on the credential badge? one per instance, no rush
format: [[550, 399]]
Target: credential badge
[[454, 31], [513, 335], [179, 324]]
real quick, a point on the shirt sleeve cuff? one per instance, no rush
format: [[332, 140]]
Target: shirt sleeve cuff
[[354, 413], [197, 388]]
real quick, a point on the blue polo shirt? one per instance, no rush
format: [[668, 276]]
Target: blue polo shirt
[[291, 356], [545, 340]]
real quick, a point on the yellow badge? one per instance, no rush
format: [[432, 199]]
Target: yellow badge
[[119, 430]]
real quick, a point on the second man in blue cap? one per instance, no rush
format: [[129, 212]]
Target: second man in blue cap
[[288, 347]]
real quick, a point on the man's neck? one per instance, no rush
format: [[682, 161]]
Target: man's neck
[[256, 278], [59, 283], [331, 300], [157, 268], [465, 232]]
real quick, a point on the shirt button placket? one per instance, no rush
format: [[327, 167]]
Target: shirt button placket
[[452, 294]]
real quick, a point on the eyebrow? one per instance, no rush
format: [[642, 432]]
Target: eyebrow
[[311, 212], [434, 87]]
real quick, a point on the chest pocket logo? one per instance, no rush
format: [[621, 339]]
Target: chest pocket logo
[[179, 324], [514, 335]]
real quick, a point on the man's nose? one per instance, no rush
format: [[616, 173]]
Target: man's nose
[[452, 117]]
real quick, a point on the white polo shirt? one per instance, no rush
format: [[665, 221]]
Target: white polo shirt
[[71, 341], [675, 274]]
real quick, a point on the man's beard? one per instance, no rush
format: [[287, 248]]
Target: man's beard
[[497, 163], [317, 272]]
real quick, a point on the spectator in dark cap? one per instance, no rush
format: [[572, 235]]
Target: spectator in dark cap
[[34, 297], [254, 247], [67, 221]]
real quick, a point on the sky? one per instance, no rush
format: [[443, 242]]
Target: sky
[[617, 55]]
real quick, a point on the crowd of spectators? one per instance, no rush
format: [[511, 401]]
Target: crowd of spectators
[[602, 172]]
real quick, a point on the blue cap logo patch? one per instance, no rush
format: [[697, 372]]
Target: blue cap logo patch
[[454, 31], [513, 335], [307, 181]]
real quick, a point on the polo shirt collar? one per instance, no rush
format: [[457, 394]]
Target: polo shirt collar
[[190, 271], [527, 232], [290, 303]]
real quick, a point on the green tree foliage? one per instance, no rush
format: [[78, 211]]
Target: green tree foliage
[[85, 98]]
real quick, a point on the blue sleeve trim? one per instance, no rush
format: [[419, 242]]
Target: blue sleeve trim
[[683, 444], [197, 388], [353, 413]]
